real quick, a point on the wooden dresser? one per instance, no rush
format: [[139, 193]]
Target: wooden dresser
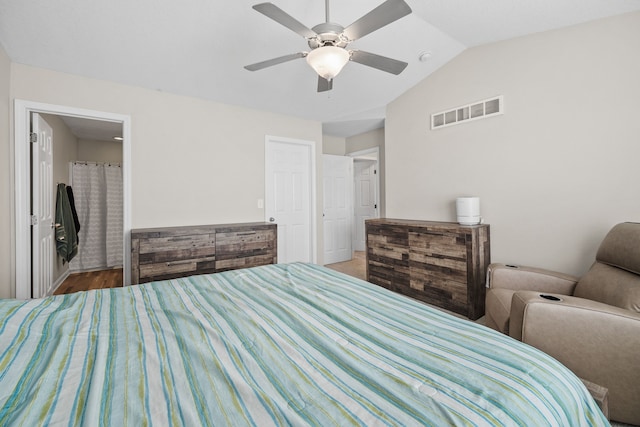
[[170, 252], [441, 263]]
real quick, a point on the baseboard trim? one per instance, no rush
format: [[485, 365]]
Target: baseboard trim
[[59, 282]]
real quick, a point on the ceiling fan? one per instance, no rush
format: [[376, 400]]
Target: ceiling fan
[[328, 41]]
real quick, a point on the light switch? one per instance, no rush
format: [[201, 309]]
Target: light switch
[[260, 203]]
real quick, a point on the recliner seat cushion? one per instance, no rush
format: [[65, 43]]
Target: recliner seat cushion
[[498, 308]]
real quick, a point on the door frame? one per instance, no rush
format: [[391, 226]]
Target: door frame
[[311, 146], [22, 184]]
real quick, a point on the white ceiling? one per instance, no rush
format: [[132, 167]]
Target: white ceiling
[[199, 47], [93, 130]]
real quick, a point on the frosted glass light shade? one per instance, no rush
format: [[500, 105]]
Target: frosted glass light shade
[[328, 61]]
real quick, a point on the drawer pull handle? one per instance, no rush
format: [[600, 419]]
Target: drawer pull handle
[[246, 233], [172, 263]]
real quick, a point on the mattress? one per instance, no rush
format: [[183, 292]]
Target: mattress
[[288, 344]]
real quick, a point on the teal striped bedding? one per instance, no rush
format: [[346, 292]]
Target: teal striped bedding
[[279, 345]]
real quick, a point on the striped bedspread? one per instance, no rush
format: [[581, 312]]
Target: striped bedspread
[[278, 345]]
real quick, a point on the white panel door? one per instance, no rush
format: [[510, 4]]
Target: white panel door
[[365, 204], [288, 197], [43, 242], [338, 208]]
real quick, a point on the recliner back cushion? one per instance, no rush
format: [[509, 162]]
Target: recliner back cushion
[[614, 279], [610, 285], [621, 247]]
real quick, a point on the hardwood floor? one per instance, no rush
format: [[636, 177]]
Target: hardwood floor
[[356, 267], [91, 280]]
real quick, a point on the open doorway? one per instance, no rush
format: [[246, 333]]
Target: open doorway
[[89, 165], [364, 202], [92, 131], [366, 192]]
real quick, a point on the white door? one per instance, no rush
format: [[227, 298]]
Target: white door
[[289, 196], [365, 204], [338, 208], [42, 232]]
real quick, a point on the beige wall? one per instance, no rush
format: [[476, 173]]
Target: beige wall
[[99, 151], [557, 170], [371, 139], [333, 145], [65, 147], [193, 161], [6, 272]]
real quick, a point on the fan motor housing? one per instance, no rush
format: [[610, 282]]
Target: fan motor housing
[[329, 34]]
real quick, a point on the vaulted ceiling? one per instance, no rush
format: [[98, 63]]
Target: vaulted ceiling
[[199, 47]]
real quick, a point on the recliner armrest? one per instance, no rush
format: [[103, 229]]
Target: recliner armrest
[[597, 341], [529, 279]]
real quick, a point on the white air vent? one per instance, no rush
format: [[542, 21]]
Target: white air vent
[[466, 113]]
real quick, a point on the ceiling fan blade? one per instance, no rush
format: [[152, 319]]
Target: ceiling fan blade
[[280, 16], [275, 61], [386, 13], [324, 85], [379, 62]]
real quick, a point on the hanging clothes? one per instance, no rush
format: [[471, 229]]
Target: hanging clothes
[[66, 235], [72, 203]]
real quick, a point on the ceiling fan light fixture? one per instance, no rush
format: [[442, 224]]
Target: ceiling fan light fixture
[[328, 61]]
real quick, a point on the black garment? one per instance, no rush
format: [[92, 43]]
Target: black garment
[[74, 213], [66, 235]]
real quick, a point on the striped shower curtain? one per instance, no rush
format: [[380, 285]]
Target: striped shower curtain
[[97, 189]]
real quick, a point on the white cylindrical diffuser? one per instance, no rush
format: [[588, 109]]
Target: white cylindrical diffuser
[[468, 210]]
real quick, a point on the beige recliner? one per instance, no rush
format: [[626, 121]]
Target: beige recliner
[[590, 324]]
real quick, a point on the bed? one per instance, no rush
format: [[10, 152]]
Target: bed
[[287, 344]]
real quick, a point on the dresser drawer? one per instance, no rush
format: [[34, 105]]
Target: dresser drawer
[[244, 262], [451, 245], [172, 269], [247, 243], [388, 256], [176, 248]]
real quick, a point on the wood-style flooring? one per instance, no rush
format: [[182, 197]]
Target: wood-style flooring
[[91, 280], [102, 279], [356, 267]]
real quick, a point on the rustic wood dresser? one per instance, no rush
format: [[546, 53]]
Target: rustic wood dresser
[[441, 263], [170, 252]]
